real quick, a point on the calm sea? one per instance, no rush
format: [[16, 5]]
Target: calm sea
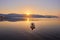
[[45, 29]]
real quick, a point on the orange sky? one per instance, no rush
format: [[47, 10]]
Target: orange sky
[[42, 7], [31, 10]]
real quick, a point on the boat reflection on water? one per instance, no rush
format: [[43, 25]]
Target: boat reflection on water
[[32, 26]]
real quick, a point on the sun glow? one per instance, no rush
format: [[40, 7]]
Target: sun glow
[[28, 20], [28, 12]]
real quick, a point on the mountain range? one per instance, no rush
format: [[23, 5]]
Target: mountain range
[[11, 15]]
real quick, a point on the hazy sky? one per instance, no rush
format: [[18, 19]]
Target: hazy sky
[[45, 7]]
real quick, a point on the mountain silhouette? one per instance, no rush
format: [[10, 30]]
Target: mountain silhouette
[[11, 15]]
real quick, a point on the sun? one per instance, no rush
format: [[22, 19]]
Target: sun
[[28, 13]]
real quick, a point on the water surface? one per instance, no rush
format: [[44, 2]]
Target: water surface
[[45, 29]]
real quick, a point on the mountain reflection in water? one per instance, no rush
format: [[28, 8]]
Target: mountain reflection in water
[[14, 19]]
